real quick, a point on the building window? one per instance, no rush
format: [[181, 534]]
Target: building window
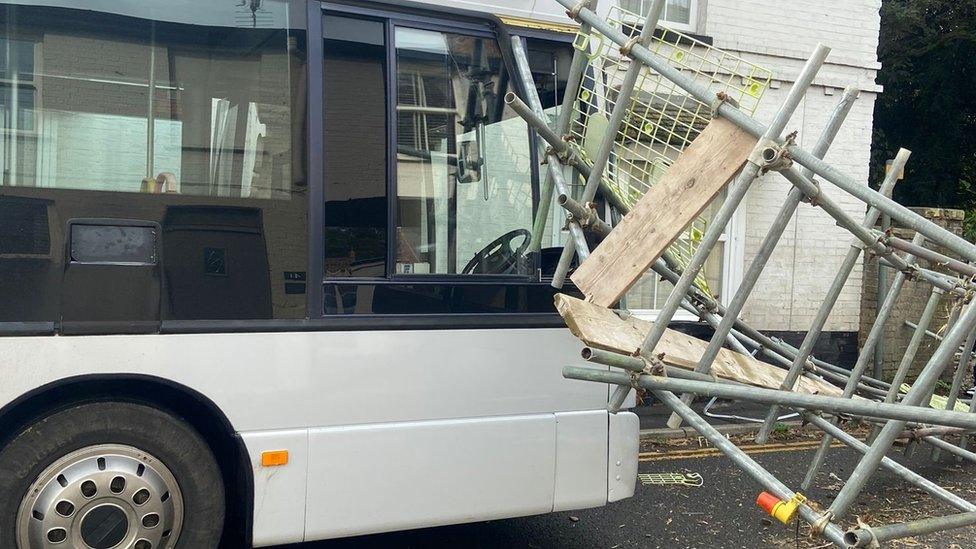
[[720, 275], [18, 105], [680, 15]]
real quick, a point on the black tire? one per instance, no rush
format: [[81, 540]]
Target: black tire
[[168, 438]]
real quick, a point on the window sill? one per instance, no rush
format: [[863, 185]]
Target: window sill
[[651, 315], [371, 322], [679, 36]]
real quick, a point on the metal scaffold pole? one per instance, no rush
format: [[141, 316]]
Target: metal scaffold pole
[[620, 108], [833, 294], [860, 367], [753, 469], [925, 382], [737, 192], [632, 94], [898, 413], [903, 215], [573, 80]]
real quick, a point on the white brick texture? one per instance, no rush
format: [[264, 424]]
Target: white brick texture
[[779, 35]]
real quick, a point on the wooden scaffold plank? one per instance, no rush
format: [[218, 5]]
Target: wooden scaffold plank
[[661, 215], [602, 328]]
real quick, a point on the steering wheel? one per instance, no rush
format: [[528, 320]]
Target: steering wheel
[[498, 257]]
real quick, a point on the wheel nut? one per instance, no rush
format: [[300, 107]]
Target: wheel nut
[[57, 535], [141, 497], [88, 489], [151, 520]]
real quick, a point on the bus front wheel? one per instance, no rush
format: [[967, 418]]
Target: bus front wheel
[[107, 475]]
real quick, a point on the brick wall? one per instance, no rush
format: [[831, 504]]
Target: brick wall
[[790, 30], [911, 300], [812, 247], [780, 37]]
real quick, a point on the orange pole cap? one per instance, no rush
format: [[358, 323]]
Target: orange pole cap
[[783, 511], [767, 501]]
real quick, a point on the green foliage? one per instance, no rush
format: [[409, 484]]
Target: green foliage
[[969, 200], [969, 225], [928, 54]]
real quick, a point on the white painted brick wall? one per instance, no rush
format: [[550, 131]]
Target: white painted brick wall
[[792, 29], [779, 35]]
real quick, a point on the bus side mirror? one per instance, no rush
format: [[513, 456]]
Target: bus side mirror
[[471, 155]]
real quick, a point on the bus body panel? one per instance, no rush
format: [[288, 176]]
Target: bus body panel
[[581, 459], [384, 477], [275, 381], [624, 441], [279, 492], [419, 428], [375, 478], [386, 429]]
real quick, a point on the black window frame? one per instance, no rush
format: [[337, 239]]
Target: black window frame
[[428, 17], [489, 32], [424, 18]]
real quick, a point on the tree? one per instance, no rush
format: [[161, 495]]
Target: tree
[[928, 53]]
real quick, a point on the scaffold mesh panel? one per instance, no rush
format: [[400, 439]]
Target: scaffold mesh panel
[[662, 119]]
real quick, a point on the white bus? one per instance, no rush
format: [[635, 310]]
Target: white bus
[[265, 277]]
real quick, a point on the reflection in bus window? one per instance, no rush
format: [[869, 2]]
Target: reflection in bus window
[[355, 110], [549, 62], [464, 199], [121, 116]]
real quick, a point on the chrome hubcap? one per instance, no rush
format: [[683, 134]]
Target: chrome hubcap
[[107, 496]]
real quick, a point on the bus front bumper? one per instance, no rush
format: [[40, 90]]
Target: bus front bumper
[[624, 439]]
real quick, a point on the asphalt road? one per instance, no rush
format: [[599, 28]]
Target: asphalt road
[[720, 513]]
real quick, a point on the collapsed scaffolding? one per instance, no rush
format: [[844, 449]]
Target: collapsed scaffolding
[[661, 126]]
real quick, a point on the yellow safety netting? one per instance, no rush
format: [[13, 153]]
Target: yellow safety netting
[[662, 119]]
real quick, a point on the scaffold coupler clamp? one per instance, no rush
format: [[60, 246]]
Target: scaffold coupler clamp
[[861, 525], [818, 526], [770, 155], [628, 45], [913, 435], [700, 300], [655, 366], [591, 219], [814, 199], [722, 97], [886, 249], [565, 157], [574, 12]]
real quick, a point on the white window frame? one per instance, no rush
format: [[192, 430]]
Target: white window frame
[[732, 267], [691, 26]]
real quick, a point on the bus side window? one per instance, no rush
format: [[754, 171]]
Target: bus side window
[[189, 119], [464, 187], [355, 155]]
